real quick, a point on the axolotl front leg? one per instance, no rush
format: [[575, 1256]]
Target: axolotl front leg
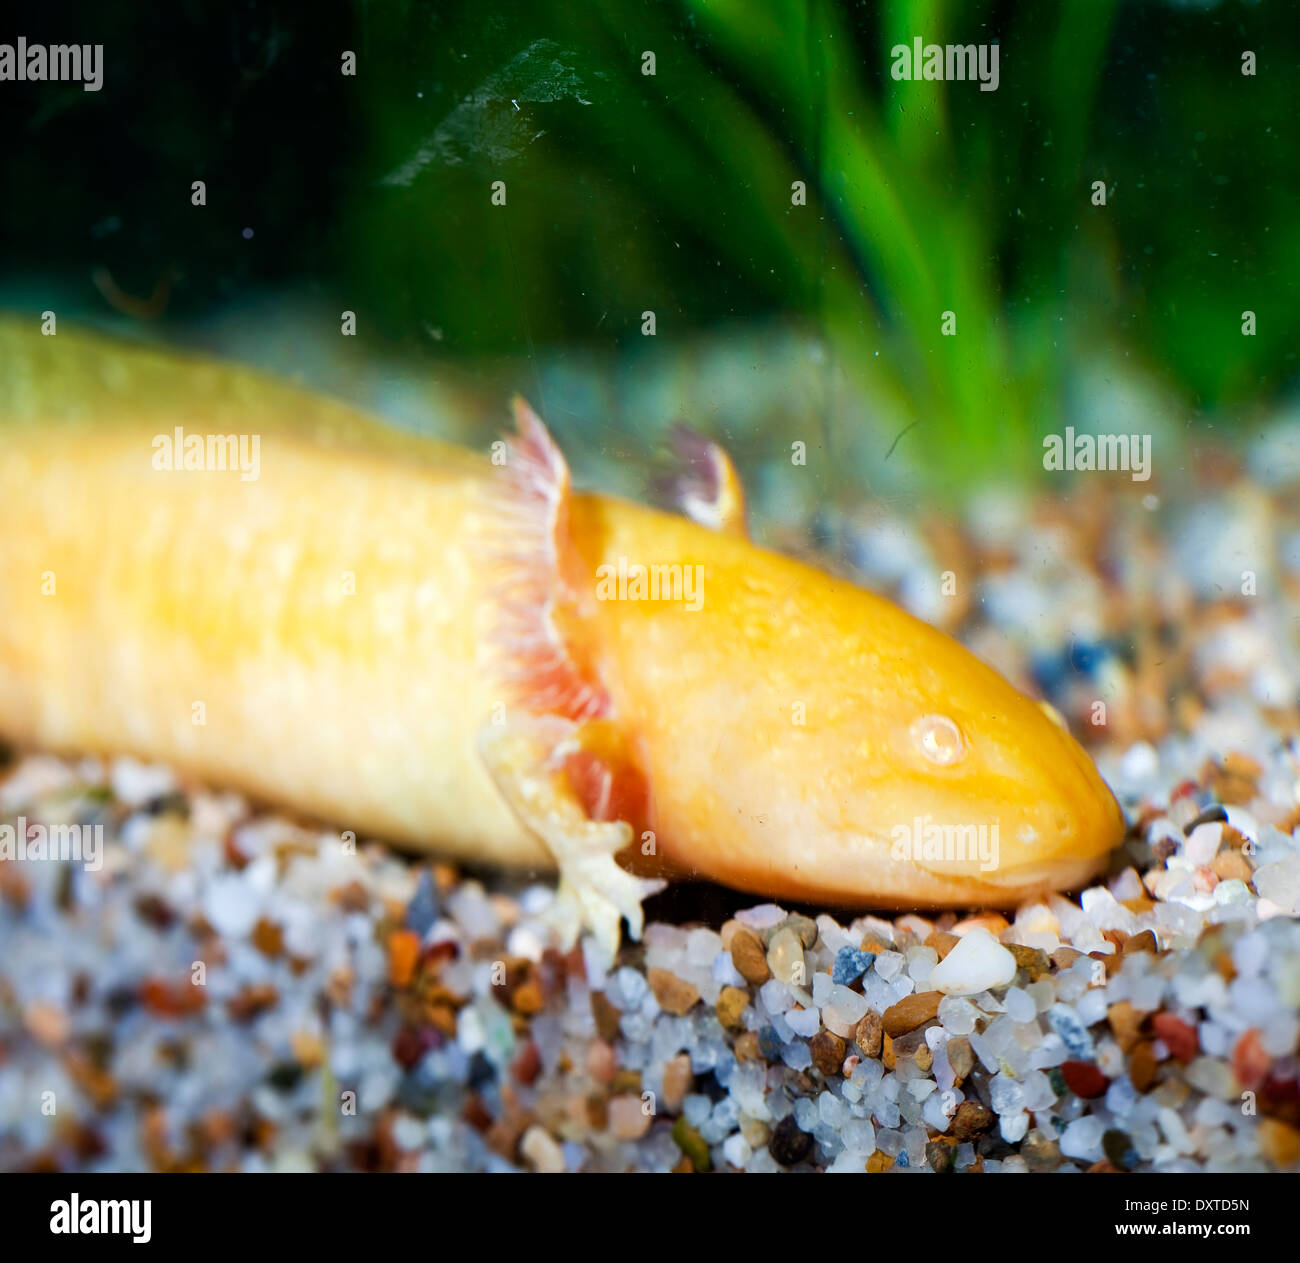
[[559, 759], [529, 758]]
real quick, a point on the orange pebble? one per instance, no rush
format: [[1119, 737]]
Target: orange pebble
[[403, 952]]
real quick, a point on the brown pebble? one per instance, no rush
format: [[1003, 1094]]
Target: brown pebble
[[1142, 1066], [675, 995], [924, 1058], [477, 1115], [887, 1058], [1224, 966], [627, 1081], [1251, 1062], [1279, 1142], [731, 1006], [1144, 942], [910, 1012], [804, 927], [596, 1111], [1110, 962], [827, 1051], [96, 1083], [879, 1162], [1232, 865], [268, 937], [353, 897], [678, 1080], [1160, 852], [1063, 957], [1033, 960], [1040, 1151], [970, 1120], [961, 1056], [942, 942], [747, 1046], [606, 1015], [1138, 906], [1234, 779], [601, 1062], [940, 1156], [993, 922], [867, 1036], [252, 999], [308, 1049], [47, 1023], [788, 1144], [339, 986], [1125, 1023], [527, 998], [527, 1064], [628, 1118], [749, 958], [1237, 764]]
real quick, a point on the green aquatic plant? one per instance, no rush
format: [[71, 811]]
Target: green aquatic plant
[[770, 175]]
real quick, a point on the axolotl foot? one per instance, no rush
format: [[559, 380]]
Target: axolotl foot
[[526, 758]]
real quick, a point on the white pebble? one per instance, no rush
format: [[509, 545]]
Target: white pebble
[[231, 906], [736, 1150], [977, 963], [1082, 1139], [1280, 883], [957, 1015], [888, 964], [1020, 1005]]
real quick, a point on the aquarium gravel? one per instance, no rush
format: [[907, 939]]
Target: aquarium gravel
[[228, 989]]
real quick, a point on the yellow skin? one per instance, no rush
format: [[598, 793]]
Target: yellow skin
[[331, 624]]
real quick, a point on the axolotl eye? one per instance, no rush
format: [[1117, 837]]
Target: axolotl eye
[[939, 740]]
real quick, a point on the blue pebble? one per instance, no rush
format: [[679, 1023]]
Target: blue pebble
[[850, 965], [1078, 1043], [769, 1043], [423, 910]]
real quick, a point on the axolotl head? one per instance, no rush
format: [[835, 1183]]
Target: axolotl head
[[872, 760], [801, 737], [981, 793], [946, 785]]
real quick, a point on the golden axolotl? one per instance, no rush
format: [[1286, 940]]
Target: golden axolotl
[[460, 653]]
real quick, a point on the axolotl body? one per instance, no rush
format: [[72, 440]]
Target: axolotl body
[[462, 654]]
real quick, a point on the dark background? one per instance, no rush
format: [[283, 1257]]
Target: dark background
[[672, 193]]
